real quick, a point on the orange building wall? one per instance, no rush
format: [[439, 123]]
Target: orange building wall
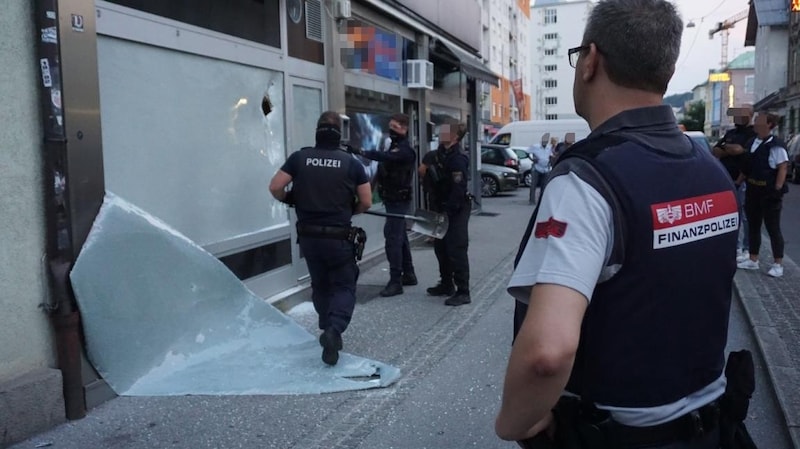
[[525, 6], [502, 96]]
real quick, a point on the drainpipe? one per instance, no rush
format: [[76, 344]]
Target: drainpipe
[[63, 312]]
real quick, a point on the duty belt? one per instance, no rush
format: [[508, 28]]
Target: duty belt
[[692, 425], [756, 182], [324, 232]]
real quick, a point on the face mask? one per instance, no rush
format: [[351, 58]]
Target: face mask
[[394, 135], [328, 136]]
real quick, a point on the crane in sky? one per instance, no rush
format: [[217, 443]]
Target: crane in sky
[[723, 28]]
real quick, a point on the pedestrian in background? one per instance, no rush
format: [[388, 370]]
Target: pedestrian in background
[[541, 165], [609, 308], [394, 181], [451, 194], [732, 151], [765, 172], [325, 183]]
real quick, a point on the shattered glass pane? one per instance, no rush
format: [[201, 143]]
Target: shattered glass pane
[[164, 317]]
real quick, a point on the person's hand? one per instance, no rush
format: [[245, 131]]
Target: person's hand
[[353, 150], [540, 434]]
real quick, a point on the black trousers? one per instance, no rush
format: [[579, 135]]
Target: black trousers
[[763, 205], [398, 250], [451, 251]]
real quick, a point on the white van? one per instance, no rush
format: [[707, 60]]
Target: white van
[[525, 133]]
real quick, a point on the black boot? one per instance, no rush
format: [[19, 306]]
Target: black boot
[[459, 299], [331, 341], [442, 289], [392, 289], [409, 278]]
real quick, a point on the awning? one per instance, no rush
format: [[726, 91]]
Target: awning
[[469, 64], [776, 99]]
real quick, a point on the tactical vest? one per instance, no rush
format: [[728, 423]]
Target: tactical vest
[[758, 171], [323, 189], [656, 331], [395, 179]]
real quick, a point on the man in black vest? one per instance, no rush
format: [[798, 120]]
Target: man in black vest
[[451, 196], [395, 176], [329, 186], [610, 308], [765, 172], [732, 153]]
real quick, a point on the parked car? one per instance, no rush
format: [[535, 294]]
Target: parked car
[[499, 155], [525, 165], [496, 179], [699, 138]]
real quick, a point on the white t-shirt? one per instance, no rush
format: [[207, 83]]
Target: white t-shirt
[[777, 155], [573, 251]]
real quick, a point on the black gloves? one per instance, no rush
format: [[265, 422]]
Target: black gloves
[[353, 150]]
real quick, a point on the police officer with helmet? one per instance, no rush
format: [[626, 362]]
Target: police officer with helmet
[[395, 177], [328, 187], [619, 338], [450, 168]]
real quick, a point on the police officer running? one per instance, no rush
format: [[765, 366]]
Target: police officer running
[[610, 307], [451, 196], [327, 181], [395, 176]]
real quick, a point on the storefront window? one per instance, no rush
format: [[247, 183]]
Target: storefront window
[[254, 20]]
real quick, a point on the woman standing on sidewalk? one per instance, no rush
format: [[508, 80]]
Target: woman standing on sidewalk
[[765, 173]]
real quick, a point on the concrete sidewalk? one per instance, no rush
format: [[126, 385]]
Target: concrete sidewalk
[[772, 307]]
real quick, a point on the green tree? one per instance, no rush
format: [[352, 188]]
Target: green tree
[[695, 117]]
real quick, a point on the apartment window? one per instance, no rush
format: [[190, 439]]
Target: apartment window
[[550, 36], [550, 52], [749, 84], [551, 100], [550, 83], [550, 68], [550, 16], [551, 117]]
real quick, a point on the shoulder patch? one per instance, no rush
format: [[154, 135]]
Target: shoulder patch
[[458, 177], [551, 227]]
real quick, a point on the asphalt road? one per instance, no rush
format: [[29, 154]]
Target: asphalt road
[[790, 223]]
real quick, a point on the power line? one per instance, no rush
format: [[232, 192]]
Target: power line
[[689, 52]]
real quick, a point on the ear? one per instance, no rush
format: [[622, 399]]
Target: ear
[[590, 63]]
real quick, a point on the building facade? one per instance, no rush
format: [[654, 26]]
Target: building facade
[[732, 87], [556, 26], [505, 49], [187, 110]]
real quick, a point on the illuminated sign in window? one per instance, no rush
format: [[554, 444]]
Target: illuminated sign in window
[[795, 6]]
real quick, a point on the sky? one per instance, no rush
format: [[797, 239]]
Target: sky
[[698, 52]]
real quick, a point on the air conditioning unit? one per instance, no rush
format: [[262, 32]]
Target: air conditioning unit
[[419, 74], [341, 9]]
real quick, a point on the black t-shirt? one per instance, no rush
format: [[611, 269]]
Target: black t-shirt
[[324, 183], [741, 135]]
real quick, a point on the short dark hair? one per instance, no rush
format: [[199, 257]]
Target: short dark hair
[[329, 118], [640, 41], [401, 119], [773, 120]]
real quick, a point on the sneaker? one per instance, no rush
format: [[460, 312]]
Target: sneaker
[[442, 290], [331, 341], [410, 279], [748, 264], [742, 255], [776, 271], [459, 299], [392, 289]]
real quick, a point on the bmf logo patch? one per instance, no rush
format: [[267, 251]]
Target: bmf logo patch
[[692, 219]]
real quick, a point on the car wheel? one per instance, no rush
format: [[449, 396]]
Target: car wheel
[[489, 186], [527, 179]]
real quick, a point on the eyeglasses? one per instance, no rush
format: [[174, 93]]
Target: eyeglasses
[[574, 53]]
